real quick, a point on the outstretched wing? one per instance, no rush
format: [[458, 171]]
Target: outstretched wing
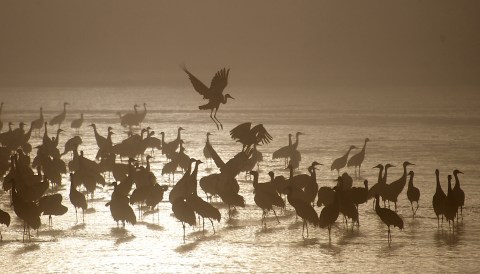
[[219, 81], [218, 161], [261, 134], [197, 84], [241, 132]]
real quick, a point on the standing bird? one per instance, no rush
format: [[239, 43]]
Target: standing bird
[[206, 152], [4, 219], [413, 193], [52, 205], [329, 214], [38, 123], [303, 209], [341, 162], [77, 199], [439, 199], [451, 206], [58, 120], [284, 152], [77, 123], [357, 159], [201, 207], [266, 196], [458, 192], [388, 217], [395, 188], [120, 208], [214, 94]]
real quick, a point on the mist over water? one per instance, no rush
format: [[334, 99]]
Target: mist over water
[[429, 128]]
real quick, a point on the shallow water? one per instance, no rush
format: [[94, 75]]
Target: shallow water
[[432, 134]]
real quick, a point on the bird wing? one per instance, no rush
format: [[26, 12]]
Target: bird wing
[[218, 161], [261, 134], [241, 131], [219, 81], [197, 84]]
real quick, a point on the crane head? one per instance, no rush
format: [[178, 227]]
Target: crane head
[[407, 163], [365, 183], [456, 171], [254, 173], [378, 166], [353, 147], [367, 140], [315, 163], [300, 133], [271, 174], [229, 96], [411, 173], [208, 134], [388, 166]]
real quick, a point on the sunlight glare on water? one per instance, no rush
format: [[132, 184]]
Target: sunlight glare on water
[[431, 136]]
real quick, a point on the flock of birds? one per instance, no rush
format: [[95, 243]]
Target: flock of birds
[[29, 198]]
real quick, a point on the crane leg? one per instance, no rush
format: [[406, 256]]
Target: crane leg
[[211, 116], [215, 116], [275, 215], [213, 227], [76, 217]]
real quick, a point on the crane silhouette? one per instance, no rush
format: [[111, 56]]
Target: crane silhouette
[[249, 136], [206, 152], [120, 208], [439, 199], [451, 206], [77, 124], [214, 93], [38, 123], [284, 152], [290, 152], [266, 197], [395, 188], [413, 193], [388, 217], [77, 199], [458, 192], [329, 214], [201, 207], [303, 209], [341, 162], [58, 120], [357, 159], [52, 205], [29, 212]]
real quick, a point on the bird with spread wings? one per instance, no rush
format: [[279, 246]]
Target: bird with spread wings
[[214, 93], [249, 136]]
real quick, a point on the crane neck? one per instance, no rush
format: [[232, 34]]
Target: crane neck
[[364, 146], [380, 177], [410, 182], [208, 139], [41, 113], [439, 187], [291, 172], [179, 134], [384, 179], [457, 181]]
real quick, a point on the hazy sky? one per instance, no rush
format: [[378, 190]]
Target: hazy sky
[[265, 43]]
